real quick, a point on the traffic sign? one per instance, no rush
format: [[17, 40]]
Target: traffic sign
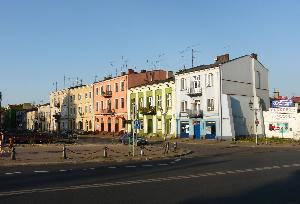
[[137, 124]]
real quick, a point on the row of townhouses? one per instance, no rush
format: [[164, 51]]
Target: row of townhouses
[[220, 100]]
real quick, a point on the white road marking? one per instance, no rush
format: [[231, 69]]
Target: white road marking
[[92, 168], [129, 182], [286, 166], [162, 164], [40, 171], [296, 164], [177, 160], [130, 166], [267, 167], [17, 172], [219, 172], [63, 170], [112, 167], [147, 165], [240, 171], [172, 162]]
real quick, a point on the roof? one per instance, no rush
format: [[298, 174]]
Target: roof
[[203, 67], [296, 99], [171, 79]]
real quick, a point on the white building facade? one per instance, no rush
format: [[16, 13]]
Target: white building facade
[[214, 101]]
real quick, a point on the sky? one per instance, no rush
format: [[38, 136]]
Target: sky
[[43, 41]]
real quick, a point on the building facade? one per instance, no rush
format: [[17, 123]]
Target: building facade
[[153, 105], [110, 101], [32, 119], [72, 109], [44, 117], [214, 101], [110, 104]]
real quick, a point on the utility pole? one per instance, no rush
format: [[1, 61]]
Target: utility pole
[[0, 111]]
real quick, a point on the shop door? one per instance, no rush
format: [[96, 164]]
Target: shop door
[[197, 131], [150, 126], [184, 129], [210, 130]]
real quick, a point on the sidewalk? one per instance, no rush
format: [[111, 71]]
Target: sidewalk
[[80, 153]]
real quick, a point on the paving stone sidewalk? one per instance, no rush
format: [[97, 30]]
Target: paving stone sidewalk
[[79, 153]]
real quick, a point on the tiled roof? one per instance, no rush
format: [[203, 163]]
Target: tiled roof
[[156, 82]]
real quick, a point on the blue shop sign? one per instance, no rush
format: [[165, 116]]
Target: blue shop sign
[[282, 103]]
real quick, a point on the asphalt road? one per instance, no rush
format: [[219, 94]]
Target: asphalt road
[[236, 175]]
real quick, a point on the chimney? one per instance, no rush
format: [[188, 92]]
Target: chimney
[[130, 71], [253, 55], [222, 58], [143, 71], [123, 73]]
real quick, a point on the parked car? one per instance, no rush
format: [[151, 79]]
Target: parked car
[[124, 139]]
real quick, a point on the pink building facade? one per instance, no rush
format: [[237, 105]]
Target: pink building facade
[[110, 104]]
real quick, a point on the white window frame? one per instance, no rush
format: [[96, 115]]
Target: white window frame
[[122, 86], [183, 106], [210, 79], [169, 100], [150, 101], [182, 84], [159, 101], [210, 104]]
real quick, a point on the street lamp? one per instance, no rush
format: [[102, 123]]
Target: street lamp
[[256, 122]]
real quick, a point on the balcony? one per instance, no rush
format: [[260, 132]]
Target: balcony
[[107, 111], [57, 116], [151, 110], [194, 113], [106, 94], [194, 92]]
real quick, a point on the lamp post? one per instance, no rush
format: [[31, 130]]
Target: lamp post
[[256, 121]]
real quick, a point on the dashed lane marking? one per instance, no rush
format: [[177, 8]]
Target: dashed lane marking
[[130, 166], [62, 170], [162, 164], [40, 171], [112, 167], [147, 165]]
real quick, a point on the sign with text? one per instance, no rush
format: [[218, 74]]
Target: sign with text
[[284, 110], [282, 103]]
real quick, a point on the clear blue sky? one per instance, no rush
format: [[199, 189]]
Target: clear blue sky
[[41, 41]]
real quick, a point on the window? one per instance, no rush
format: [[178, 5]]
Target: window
[[183, 106], [108, 104], [150, 101], [196, 82], [79, 110], [159, 124], [79, 96], [210, 80], [210, 104], [74, 110], [183, 84], [116, 87], [97, 106], [102, 105], [86, 109], [257, 80], [169, 100], [86, 95], [97, 91], [90, 109], [122, 86], [159, 104], [108, 87], [90, 94], [123, 123], [122, 103], [101, 89], [141, 102], [116, 103]]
